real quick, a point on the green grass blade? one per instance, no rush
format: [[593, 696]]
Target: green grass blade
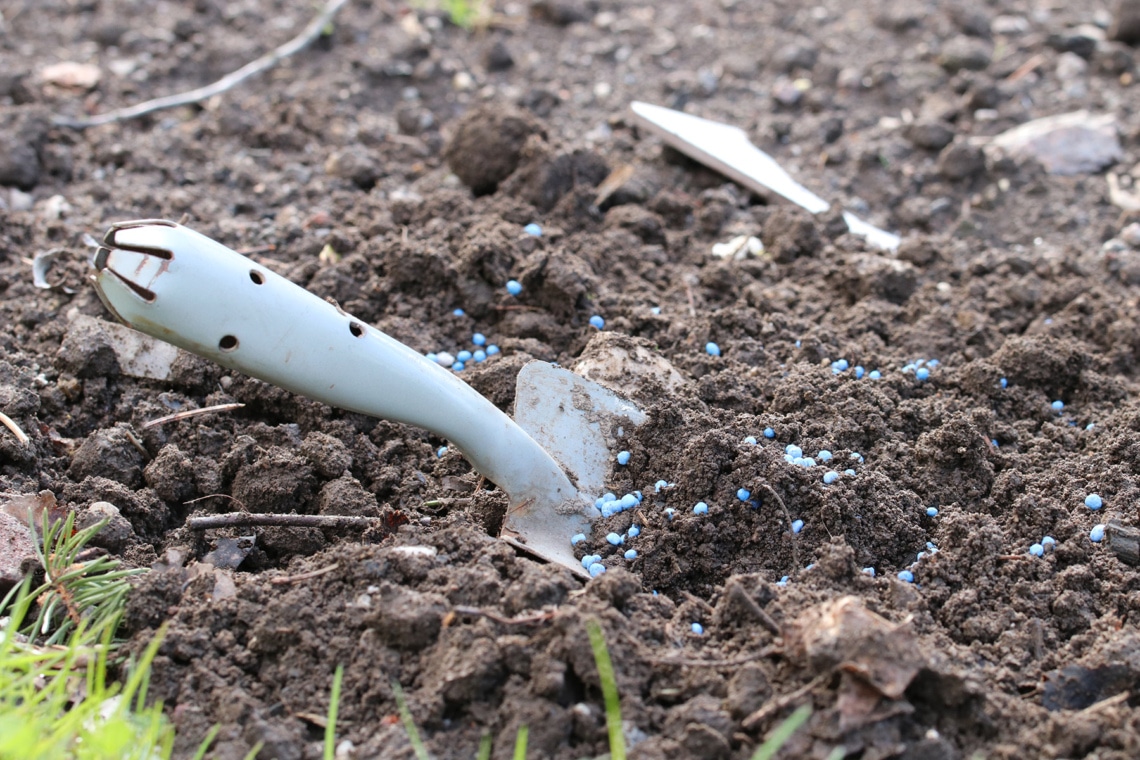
[[409, 724], [609, 689], [334, 707], [484, 748], [520, 742], [204, 747], [779, 737]]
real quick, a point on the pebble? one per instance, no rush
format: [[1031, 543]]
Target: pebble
[[964, 52], [1065, 144]]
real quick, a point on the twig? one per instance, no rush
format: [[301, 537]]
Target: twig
[[773, 706], [1107, 702], [738, 594], [267, 61], [9, 423], [191, 413], [791, 532], [726, 663], [248, 519], [287, 579], [540, 617]]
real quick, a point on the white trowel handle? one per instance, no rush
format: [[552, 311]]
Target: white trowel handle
[[184, 288]]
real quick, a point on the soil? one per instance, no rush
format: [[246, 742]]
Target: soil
[[414, 152]]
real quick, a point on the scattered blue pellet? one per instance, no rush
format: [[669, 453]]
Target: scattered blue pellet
[[669, 512], [932, 512], [859, 372], [1096, 535], [492, 350], [597, 321], [479, 339], [633, 531], [1094, 502], [712, 349], [457, 366], [824, 455], [783, 581], [743, 494], [628, 501], [533, 230], [596, 569], [799, 343], [623, 457], [1048, 542], [830, 477], [697, 628], [838, 366], [701, 508], [655, 310], [431, 356], [869, 571], [797, 526], [750, 439], [849, 472], [590, 559], [1037, 550], [659, 485], [793, 450], [637, 495], [440, 452], [933, 363], [577, 538], [1004, 383], [906, 576], [631, 554], [514, 287], [458, 313], [769, 432], [808, 462], [874, 374], [856, 455], [922, 374], [1058, 405], [463, 356], [614, 539], [479, 355]]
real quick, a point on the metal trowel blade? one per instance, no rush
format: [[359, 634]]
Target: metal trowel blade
[[579, 423]]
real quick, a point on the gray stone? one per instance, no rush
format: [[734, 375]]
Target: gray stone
[[1066, 144], [967, 53]]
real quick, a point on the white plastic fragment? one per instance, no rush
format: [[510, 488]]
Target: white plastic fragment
[[739, 248], [728, 150]]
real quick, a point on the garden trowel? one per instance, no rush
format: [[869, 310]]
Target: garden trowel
[[179, 286]]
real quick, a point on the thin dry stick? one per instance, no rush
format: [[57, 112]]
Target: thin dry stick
[[772, 706], [248, 519], [191, 413], [284, 580], [540, 617], [229, 81], [791, 532], [725, 663], [9, 423]]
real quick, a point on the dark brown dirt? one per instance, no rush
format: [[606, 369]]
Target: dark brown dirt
[[416, 152]]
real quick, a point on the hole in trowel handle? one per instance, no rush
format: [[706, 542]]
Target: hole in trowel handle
[[257, 277], [228, 343], [356, 329]]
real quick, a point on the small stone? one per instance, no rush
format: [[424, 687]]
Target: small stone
[[801, 54], [355, 165], [967, 53], [1066, 144], [1071, 67], [931, 135], [71, 75], [498, 57], [961, 160], [785, 92]]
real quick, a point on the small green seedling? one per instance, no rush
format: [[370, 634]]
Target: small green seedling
[[609, 689]]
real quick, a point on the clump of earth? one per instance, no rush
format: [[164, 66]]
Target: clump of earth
[[394, 167]]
